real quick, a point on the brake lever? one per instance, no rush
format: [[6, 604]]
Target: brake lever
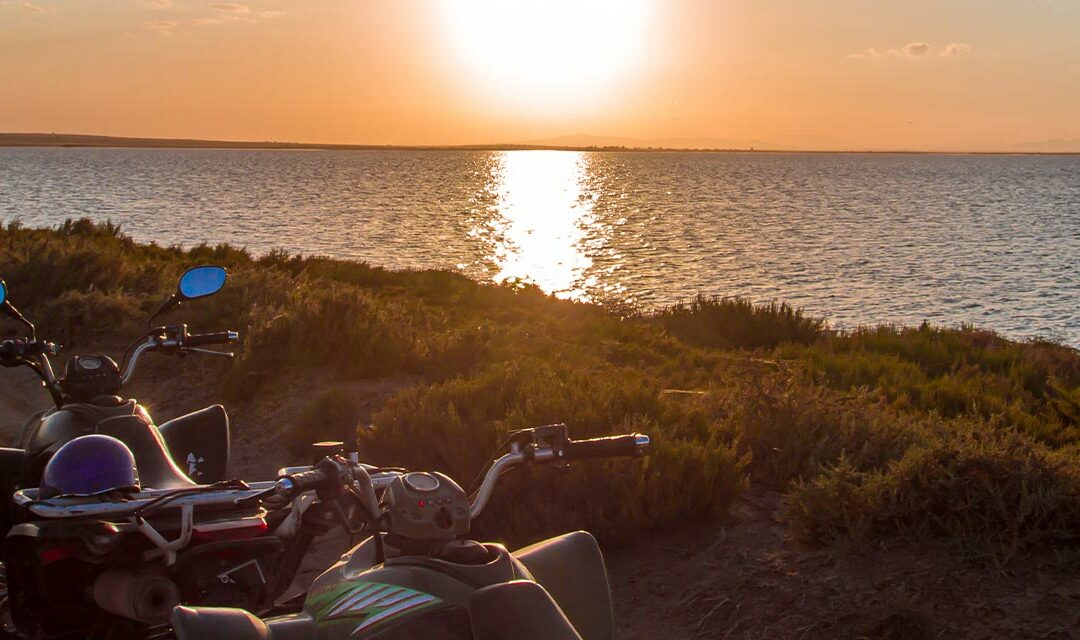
[[247, 501], [209, 352]]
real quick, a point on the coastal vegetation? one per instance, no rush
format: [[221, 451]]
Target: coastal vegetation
[[945, 436]]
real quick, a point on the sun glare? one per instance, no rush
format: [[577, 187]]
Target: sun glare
[[546, 54], [539, 233]]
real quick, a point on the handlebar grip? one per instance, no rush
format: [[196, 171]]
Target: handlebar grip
[[297, 483], [201, 339], [631, 446]]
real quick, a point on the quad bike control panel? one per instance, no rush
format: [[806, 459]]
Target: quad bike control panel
[[427, 506]]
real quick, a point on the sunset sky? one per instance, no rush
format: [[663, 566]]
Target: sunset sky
[[851, 74]]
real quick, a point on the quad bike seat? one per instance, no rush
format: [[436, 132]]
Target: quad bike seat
[[152, 458]]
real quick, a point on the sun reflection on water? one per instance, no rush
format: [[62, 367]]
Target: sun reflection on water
[[542, 216]]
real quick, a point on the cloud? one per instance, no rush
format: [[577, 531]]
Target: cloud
[[914, 50], [224, 13], [28, 7], [163, 27], [955, 49], [231, 7]]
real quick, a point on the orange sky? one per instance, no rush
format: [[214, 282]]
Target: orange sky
[[858, 74]]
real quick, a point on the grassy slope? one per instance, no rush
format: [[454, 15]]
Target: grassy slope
[[947, 436]]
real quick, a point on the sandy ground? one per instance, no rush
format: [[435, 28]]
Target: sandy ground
[[748, 579], [740, 579]]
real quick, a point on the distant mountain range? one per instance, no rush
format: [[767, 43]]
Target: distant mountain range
[[573, 142], [585, 140], [579, 141], [1057, 145]]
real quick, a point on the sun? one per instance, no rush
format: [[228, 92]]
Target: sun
[[541, 54]]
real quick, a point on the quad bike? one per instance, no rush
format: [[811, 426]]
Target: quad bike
[[87, 396], [66, 574], [418, 576]]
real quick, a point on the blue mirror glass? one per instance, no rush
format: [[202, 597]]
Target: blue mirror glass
[[3, 292], [199, 282]]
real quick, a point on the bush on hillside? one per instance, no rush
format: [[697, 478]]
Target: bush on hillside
[[990, 492], [463, 420], [331, 416], [737, 323]]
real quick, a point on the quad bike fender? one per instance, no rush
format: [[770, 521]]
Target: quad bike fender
[[518, 610], [214, 623], [571, 568], [11, 466], [220, 623]]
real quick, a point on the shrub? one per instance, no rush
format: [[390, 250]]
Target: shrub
[[956, 372], [738, 323], [793, 430], [461, 422], [332, 415], [990, 492], [79, 317]]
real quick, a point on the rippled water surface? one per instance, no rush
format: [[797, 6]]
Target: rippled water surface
[[989, 240]]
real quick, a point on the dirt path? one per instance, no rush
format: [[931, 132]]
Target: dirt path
[[748, 580], [21, 396]]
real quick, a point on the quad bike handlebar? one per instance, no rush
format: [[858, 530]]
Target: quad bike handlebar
[[170, 340], [175, 339], [551, 444], [626, 446], [13, 349], [333, 475]]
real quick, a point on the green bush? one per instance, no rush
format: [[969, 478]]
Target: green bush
[[738, 323], [331, 416], [955, 372], [989, 492], [462, 421], [793, 430]]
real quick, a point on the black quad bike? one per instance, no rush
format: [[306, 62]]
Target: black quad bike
[[113, 570], [418, 576], [87, 396]]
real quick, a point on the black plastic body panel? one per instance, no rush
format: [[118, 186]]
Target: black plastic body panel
[[199, 443], [518, 610], [571, 568], [11, 468], [152, 457]]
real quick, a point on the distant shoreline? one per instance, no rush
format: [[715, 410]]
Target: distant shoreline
[[78, 140]]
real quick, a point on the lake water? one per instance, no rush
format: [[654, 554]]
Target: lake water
[[859, 239]]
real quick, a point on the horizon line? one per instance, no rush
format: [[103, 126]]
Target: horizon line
[[83, 140]]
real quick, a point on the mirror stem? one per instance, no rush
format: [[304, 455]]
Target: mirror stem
[[13, 313], [165, 306]]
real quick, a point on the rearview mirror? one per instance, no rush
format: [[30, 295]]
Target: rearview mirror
[[199, 282]]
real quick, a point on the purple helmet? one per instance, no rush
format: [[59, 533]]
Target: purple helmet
[[88, 466]]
